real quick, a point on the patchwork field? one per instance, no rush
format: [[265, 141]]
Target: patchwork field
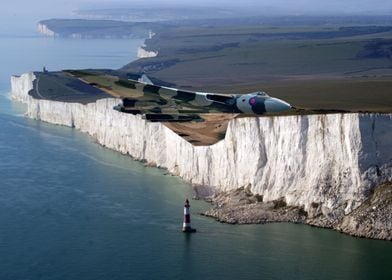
[[321, 67]]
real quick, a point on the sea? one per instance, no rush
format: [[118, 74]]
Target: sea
[[71, 209]]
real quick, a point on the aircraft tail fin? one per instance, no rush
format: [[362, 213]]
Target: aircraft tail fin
[[145, 79]]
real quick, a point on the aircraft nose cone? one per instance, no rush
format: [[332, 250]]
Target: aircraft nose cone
[[276, 105]]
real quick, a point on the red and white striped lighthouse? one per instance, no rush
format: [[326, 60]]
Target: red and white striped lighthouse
[[186, 226]]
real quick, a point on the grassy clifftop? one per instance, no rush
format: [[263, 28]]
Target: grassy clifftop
[[332, 67], [266, 53], [316, 64]]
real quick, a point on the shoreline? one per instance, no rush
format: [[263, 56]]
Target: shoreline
[[227, 166], [238, 203], [143, 53], [242, 207]]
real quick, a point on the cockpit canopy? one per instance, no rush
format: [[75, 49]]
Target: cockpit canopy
[[260, 93]]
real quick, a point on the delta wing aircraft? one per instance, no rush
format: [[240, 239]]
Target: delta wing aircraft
[[166, 104], [173, 104]]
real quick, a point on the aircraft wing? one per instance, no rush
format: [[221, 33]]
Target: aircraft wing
[[154, 91], [161, 113], [142, 93], [139, 94], [181, 99]]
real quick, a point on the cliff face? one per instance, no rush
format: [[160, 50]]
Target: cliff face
[[327, 164], [44, 30], [142, 53], [20, 87], [98, 29]]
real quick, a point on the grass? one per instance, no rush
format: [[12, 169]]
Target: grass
[[59, 87], [353, 95], [107, 83], [309, 72]]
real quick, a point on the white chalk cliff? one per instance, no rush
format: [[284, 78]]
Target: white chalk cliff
[[142, 53], [43, 29], [329, 160]]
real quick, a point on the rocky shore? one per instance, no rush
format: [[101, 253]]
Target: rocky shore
[[373, 219], [240, 206]]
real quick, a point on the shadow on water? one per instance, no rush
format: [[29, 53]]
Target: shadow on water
[[188, 241]]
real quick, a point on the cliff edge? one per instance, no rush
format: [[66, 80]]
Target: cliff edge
[[327, 166], [45, 30]]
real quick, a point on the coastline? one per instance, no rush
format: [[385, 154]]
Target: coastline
[[95, 29], [141, 51], [227, 166], [370, 220], [44, 30]]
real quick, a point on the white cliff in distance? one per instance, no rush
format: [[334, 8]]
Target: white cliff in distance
[[332, 161], [44, 30], [142, 53]]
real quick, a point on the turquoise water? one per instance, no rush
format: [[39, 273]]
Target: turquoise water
[[70, 209]]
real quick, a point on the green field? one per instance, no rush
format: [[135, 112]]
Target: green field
[[354, 95], [338, 68], [244, 55], [322, 66]]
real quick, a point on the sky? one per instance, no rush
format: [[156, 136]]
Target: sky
[[62, 6], [25, 12]]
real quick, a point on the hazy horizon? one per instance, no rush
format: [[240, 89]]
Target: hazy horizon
[[61, 7], [281, 6], [23, 14]]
